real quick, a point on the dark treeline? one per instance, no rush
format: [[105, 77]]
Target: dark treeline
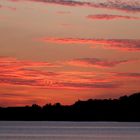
[[126, 108]]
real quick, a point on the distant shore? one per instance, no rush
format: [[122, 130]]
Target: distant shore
[[124, 109]]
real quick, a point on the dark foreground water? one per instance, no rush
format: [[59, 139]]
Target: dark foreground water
[[69, 131]]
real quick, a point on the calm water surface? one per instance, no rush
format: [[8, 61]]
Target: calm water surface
[[69, 131]]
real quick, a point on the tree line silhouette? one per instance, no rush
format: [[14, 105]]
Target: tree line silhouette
[[126, 108]]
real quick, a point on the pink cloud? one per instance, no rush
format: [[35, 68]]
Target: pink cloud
[[120, 44], [111, 17]]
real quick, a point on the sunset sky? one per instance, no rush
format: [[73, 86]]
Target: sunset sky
[[68, 50]]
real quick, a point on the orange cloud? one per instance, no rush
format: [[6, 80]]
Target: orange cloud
[[19, 72], [111, 17], [23, 73], [7, 61], [120, 44]]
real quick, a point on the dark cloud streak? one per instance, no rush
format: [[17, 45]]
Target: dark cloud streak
[[111, 17], [123, 5], [96, 62], [119, 44]]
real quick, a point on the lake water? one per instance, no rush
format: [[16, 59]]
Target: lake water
[[69, 131]]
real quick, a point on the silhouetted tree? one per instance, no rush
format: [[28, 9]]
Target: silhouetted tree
[[126, 108]]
